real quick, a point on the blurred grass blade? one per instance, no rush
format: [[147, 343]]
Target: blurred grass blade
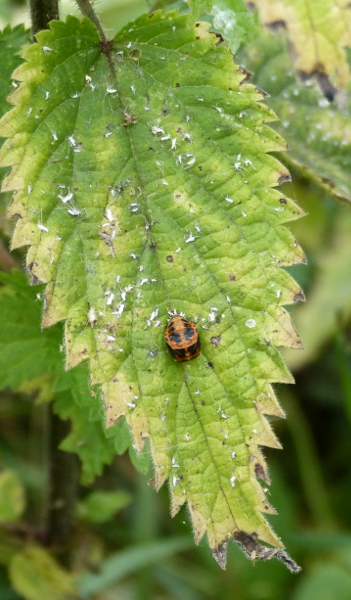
[[119, 565]]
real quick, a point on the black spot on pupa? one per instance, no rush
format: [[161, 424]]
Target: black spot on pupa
[[177, 84], [169, 258], [210, 364], [215, 340], [282, 201], [232, 277], [197, 24]]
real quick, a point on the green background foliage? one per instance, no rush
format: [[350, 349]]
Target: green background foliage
[[310, 481]]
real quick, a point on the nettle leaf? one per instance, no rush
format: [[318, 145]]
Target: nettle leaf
[[317, 129], [144, 186], [30, 355], [317, 31], [11, 42]]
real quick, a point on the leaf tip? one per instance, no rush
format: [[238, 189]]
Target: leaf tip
[[220, 555]]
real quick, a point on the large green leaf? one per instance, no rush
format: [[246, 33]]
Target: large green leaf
[[144, 187], [317, 130]]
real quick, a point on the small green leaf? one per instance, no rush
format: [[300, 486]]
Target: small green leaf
[[87, 438], [141, 460], [27, 353], [12, 500], [36, 575], [101, 506]]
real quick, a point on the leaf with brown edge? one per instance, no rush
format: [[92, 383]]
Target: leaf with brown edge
[[145, 187]]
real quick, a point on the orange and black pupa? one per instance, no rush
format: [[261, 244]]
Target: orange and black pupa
[[182, 338]]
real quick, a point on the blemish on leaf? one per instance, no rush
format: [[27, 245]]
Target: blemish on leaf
[[283, 178], [215, 340], [300, 297]]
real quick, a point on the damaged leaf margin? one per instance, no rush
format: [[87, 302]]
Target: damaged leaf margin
[[143, 187]]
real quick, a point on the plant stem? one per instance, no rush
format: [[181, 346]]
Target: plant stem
[[87, 10], [63, 486], [42, 12]]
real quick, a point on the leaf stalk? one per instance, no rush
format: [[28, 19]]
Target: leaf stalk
[[87, 10]]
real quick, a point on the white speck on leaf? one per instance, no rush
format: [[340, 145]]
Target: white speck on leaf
[[75, 212], [250, 323], [110, 298], [66, 198], [190, 238]]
